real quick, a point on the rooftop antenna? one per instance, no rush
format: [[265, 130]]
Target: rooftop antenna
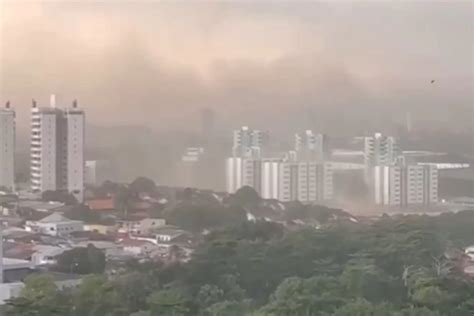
[[34, 103], [74, 104], [52, 100], [7, 105]]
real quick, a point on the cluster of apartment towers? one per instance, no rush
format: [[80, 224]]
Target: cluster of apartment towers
[[57, 148], [306, 172]]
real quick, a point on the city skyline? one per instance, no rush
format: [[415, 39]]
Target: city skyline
[[229, 157]]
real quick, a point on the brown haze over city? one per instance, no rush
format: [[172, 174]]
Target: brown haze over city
[[157, 63], [270, 64]]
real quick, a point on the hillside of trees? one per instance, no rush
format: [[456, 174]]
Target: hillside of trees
[[404, 266]]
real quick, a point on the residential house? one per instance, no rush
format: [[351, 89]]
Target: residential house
[[46, 254], [172, 235], [141, 226], [101, 229], [55, 225], [137, 247]]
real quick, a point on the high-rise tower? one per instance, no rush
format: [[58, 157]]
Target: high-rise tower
[[7, 147], [57, 149]]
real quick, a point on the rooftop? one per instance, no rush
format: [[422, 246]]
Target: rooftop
[[101, 204], [40, 205], [56, 218], [12, 264], [135, 242]]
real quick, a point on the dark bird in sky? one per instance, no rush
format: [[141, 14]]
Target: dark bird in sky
[[432, 81]]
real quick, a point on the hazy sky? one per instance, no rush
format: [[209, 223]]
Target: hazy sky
[[257, 62]]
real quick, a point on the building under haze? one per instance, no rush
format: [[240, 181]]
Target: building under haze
[[241, 172], [248, 142], [208, 119], [7, 147], [307, 182], [380, 150], [98, 171], [57, 149], [402, 184], [311, 147], [190, 169]]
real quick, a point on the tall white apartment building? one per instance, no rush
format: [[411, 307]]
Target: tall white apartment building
[[270, 179], [7, 147], [243, 172], [380, 150], [310, 146], [248, 142], [307, 182], [404, 185], [75, 141], [57, 149]]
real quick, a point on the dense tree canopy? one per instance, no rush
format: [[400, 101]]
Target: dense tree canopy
[[81, 261], [393, 267], [246, 197], [143, 185]]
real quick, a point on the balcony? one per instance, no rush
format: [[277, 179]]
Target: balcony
[[35, 176]]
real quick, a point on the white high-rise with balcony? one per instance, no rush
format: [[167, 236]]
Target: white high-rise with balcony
[[7, 147], [57, 149], [311, 147], [248, 142], [380, 150]]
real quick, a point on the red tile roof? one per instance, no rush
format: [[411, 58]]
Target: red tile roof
[[101, 204]]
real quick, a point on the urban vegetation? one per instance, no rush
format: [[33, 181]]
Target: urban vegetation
[[394, 266]]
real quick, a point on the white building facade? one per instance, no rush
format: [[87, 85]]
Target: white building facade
[[248, 142], [57, 149], [7, 147], [43, 149], [307, 182], [311, 147], [243, 172], [380, 150], [405, 185], [55, 225]]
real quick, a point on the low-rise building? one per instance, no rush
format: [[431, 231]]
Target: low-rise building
[[100, 228], [172, 234], [55, 225], [137, 247], [101, 204], [46, 254], [16, 269], [141, 226]]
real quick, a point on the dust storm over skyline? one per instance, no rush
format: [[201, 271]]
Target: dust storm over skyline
[[263, 63]]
